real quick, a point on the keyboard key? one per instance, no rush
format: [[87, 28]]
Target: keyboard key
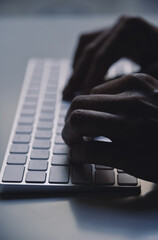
[[26, 121], [61, 121], [34, 85], [59, 130], [28, 113], [54, 72], [40, 154], [32, 92], [36, 177], [36, 76], [31, 99], [103, 167], [45, 125], [49, 103], [50, 96], [105, 177], [19, 148], [46, 117], [29, 106], [63, 112], [36, 79], [61, 149], [38, 165], [43, 134], [13, 173], [59, 174], [59, 140], [53, 79], [41, 144], [18, 138], [120, 171], [17, 159], [82, 174], [126, 179], [24, 130], [60, 160], [48, 110], [51, 89], [52, 82]]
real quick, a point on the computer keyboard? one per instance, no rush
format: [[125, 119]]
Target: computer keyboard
[[36, 158]]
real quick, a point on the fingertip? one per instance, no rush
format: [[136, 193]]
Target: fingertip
[[77, 153], [96, 89], [70, 88], [74, 64], [67, 94]]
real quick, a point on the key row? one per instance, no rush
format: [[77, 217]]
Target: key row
[[55, 160], [61, 174], [42, 140]]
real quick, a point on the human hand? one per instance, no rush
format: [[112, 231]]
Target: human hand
[[124, 110], [130, 37]]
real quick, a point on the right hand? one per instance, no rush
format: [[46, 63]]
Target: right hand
[[124, 110], [130, 37]]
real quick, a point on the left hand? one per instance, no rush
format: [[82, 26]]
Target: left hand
[[129, 37]]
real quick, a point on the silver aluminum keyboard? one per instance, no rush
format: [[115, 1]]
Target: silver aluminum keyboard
[[36, 157]]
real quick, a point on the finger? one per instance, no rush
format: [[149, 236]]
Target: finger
[[84, 40], [92, 123], [83, 65], [98, 69], [126, 83], [113, 86], [120, 43], [116, 156], [97, 152], [123, 103], [152, 70], [94, 62], [100, 153]]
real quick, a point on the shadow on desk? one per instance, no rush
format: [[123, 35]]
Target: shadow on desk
[[133, 217], [116, 215]]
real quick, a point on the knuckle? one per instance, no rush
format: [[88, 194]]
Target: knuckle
[[124, 18], [136, 78], [131, 79], [129, 20], [89, 50], [139, 82], [98, 58], [77, 102], [136, 100], [82, 37], [141, 77], [129, 25]]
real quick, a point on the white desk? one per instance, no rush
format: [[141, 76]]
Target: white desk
[[62, 216]]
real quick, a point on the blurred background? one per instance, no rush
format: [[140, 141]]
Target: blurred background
[[35, 28], [77, 7]]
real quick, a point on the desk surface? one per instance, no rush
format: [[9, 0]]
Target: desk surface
[[61, 216]]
